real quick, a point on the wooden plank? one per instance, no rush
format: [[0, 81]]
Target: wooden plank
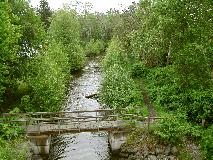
[[104, 125]]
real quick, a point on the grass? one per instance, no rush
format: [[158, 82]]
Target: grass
[[16, 149]]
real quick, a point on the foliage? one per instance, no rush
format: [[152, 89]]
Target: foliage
[[192, 65], [138, 70], [47, 78], [94, 48], [45, 13], [164, 79], [165, 43], [207, 145], [91, 27], [118, 89], [9, 131], [9, 36], [124, 23], [174, 129], [95, 26], [115, 55], [165, 90], [32, 30], [12, 150], [65, 29], [25, 43], [167, 26], [173, 38]]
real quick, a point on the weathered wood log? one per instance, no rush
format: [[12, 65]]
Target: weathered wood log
[[92, 95]]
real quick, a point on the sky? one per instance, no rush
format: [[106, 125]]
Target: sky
[[98, 5]]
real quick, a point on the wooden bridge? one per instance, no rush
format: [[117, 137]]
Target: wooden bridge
[[50, 123], [39, 126]]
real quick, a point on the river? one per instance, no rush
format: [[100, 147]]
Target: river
[[82, 146]]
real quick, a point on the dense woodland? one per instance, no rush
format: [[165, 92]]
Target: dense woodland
[[164, 45]]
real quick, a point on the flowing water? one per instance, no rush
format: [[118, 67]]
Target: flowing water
[[82, 146]]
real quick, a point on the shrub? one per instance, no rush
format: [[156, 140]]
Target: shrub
[[47, 76], [162, 85], [207, 144], [11, 150], [9, 132], [65, 29], [118, 89], [115, 55], [94, 47], [138, 70], [172, 129], [192, 66], [76, 57], [165, 90], [198, 105]]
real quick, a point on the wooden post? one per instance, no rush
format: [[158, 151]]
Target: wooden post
[[203, 122], [96, 114], [26, 125], [79, 128], [59, 127], [148, 122], [117, 116], [98, 123], [38, 125]]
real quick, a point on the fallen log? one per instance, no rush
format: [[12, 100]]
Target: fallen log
[[92, 95]]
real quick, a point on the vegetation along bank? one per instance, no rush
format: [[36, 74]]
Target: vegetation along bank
[[158, 62], [162, 51]]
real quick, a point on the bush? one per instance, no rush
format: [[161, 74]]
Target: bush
[[162, 85], [198, 105], [65, 30], [47, 76], [192, 66], [207, 145], [76, 57], [115, 55], [94, 47], [165, 90], [9, 132], [11, 150], [138, 70], [118, 89], [173, 129]]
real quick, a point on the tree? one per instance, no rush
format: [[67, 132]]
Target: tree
[[31, 36], [65, 29], [47, 77], [32, 30], [173, 36], [9, 36], [45, 13]]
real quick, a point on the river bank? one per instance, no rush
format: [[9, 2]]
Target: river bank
[[142, 145]]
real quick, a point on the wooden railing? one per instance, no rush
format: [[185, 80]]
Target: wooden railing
[[39, 119], [110, 114]]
